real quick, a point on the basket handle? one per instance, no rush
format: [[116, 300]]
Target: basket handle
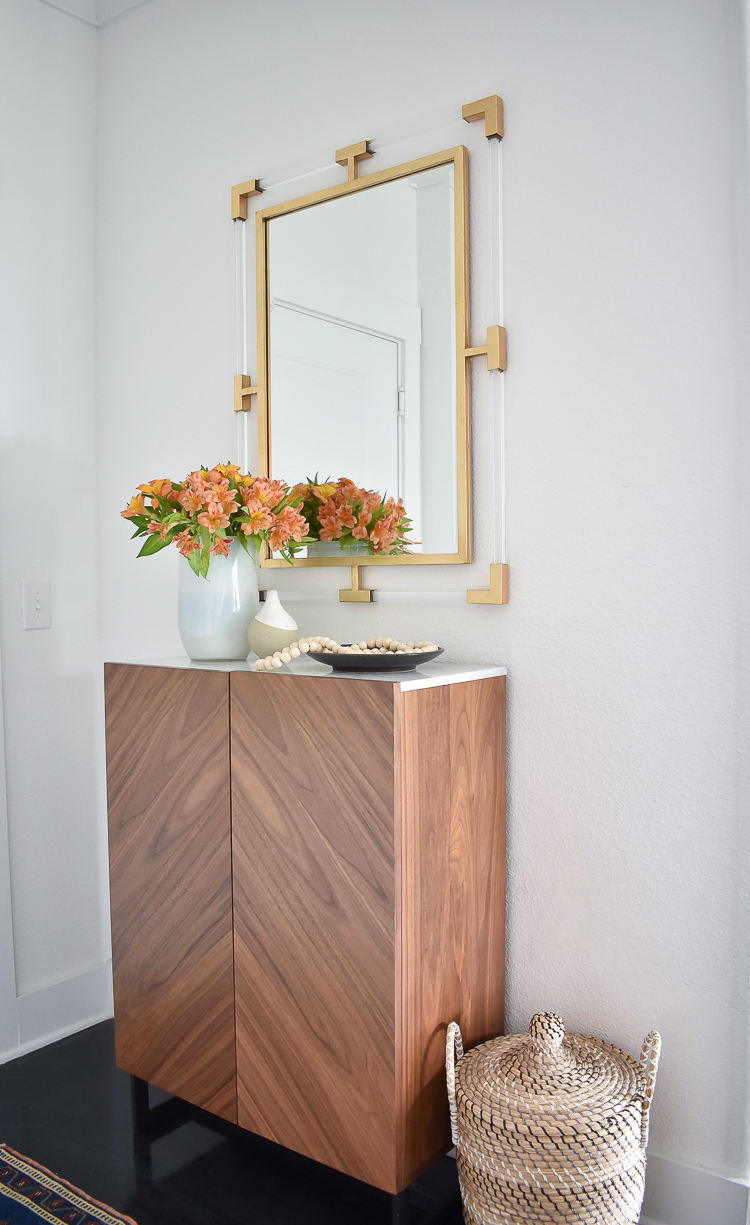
[[454, 1051], [649, 1063]]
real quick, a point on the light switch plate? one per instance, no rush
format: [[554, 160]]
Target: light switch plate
[[36, 604]]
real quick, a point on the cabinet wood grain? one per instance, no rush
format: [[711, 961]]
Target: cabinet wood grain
[[450, 872], [312, 819], [170, 874], [308, 884]]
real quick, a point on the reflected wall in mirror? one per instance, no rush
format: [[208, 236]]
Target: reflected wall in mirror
[[362, 314]]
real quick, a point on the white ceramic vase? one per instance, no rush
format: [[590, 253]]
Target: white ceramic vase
[[272, 629], [213, 614]]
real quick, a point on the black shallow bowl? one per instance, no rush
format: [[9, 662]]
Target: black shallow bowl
[[374, 663]]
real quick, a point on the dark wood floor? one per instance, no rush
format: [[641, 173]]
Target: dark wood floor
[[68, 1107]]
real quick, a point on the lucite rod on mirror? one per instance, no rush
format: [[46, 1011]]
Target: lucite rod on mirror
[[240, 278], [497, 379]]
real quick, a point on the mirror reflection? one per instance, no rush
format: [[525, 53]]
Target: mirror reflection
[[362, 346]]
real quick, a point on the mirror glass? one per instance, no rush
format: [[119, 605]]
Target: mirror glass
[[362, 346]]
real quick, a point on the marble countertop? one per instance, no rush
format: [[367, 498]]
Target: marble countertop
[[424, 676]]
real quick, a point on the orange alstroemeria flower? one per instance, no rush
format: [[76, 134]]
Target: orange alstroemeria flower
[[279, 537], [260, 490], [292, 522], [213, 520], [330, 525], [196, 482], [136, 506], [345, 489], [221, 546], [261, 518], [345, 517], [159, 491], [186, 543], [222, 472], [270, 493], [382, 535], [191, 501], [222, 495], [325, 491]]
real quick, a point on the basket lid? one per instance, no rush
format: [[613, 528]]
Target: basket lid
[[547, 1079]]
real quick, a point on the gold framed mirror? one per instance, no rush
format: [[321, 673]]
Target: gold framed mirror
[[363, 340]]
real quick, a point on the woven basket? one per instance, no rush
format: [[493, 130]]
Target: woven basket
[[550, 1126]]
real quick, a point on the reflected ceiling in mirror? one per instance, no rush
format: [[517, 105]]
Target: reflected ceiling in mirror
[[363, 306]]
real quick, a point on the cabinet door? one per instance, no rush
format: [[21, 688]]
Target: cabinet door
[[313, 856], [170, 873]]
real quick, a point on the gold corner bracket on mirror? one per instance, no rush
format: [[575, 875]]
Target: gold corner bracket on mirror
[[498, 589], [240, 195], [242, 393], [351, 156], [496, 349], [491, 111], [356, 594]]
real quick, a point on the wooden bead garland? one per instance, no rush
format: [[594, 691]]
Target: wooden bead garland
[[320, 645]]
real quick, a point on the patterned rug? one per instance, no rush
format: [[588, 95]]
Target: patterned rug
[[29, 1194]]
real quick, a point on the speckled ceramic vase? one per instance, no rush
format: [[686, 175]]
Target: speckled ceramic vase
[[272, 628]]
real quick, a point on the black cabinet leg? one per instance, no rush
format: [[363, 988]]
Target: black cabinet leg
[[401, 1208], [153, 1121], [139, 1101]]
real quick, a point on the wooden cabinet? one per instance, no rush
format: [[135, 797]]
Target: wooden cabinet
[[307, 885]]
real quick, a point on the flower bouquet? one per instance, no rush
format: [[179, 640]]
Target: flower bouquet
[[340, 510], [212, 507]]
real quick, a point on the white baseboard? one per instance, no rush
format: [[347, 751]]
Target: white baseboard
[[682, 1195], [64, 1008]]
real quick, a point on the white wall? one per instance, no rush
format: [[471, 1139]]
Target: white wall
[[624, 207], [54, 974]]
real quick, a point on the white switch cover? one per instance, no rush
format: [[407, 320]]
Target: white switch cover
[[36, 607]]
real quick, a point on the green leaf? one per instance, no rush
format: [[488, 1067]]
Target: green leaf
[[153, 545]]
